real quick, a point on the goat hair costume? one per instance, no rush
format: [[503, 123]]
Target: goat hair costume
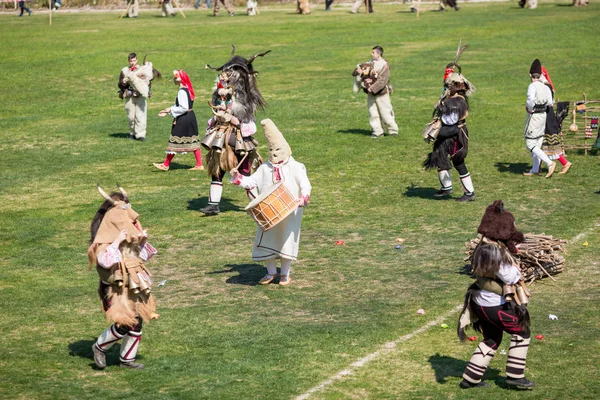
[[235, 95]]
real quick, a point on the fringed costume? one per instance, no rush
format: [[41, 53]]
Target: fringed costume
[[452, 141], [282, 240], [119, 249], [230, 134], [491, 309]]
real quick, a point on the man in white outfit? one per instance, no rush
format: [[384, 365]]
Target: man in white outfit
[[539, 97]]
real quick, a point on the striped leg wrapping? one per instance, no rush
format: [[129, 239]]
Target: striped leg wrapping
[[517, 356], [467, 183], [109, 337], [478, 364], [445, 179], [215, 192], [129, 346]]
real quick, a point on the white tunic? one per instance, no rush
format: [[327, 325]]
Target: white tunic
[[281, 241], [537, 94]]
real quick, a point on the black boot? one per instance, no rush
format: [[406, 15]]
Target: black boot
[[521, 383], [211, 209], [443, 192], [466, 197], [465, 384], [132, 365]]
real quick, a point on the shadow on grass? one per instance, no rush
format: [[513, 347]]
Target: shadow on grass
[[466, 269], [120, 135], [445, 367], [356, 131], [249, 274], [224, 205], [424, 193], [513, 168], [83, 349]]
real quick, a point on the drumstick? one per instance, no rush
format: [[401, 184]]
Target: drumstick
[[241, 161]]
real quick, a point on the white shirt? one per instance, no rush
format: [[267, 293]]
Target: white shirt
[[183, 107], [507, 273]]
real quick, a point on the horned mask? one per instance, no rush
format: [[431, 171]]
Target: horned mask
[[119, 217], [279, 149]]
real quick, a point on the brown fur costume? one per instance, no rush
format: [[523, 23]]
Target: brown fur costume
[[499, 224], [124, 306]]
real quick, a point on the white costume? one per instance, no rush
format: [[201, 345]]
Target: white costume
[[282, 240], [539, 97]]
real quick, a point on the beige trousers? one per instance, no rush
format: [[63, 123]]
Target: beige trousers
[[380, 108], [135, 107], [167, 9], [134, 10]]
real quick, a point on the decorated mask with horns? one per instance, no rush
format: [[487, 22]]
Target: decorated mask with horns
[[118, 218], [239, 74]]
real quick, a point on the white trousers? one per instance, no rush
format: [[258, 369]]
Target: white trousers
[[380, 109], [135, 107]]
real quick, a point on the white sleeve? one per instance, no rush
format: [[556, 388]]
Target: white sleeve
[[109, 257], [508, 273], [183, 107], [304, 183], [531, 95]]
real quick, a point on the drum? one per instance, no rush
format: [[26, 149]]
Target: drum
[[272, 206]]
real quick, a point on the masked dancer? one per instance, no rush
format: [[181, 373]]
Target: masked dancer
[[282, 240], [119, 248], [230, 134], [453, 138]]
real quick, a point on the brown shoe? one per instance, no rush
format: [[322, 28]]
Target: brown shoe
[[268, 278], [285, 280], [529, 173], [197, 168], [565, 168], [551, 169], [161, 166]]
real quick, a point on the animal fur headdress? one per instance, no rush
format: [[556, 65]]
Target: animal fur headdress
[[453, 77], [279, 149], [499, 224], [239, 73]]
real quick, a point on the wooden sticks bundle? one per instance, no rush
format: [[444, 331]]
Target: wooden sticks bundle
[[539, 256]]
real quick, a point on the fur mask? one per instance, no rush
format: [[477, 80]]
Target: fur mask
[[499, 224], [279, 149]]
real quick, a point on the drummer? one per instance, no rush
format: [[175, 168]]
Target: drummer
[[283, 239]]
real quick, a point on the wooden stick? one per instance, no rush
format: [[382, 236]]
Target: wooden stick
[[127, 9], [179, 9], [544, 269], [50, 15], [242, 160]]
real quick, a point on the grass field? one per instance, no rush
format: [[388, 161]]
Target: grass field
[[63, 128]]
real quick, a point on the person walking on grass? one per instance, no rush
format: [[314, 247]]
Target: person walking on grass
[[539, 98], [119, 247], [552, 145], [282, 240], [24, 9], [490, 312], [378, 95], [184, 130]]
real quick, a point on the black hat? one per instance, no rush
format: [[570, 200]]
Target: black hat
[[536, 67]]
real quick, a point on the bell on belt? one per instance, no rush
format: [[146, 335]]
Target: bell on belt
[[208, 141], [218, 142], [144, 286], [133, 286], [118, 280]]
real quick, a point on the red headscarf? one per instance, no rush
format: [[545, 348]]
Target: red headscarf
[[447, 72], [185, 81], [547, 76]]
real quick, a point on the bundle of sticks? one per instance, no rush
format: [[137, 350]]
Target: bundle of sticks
[[539, 256]]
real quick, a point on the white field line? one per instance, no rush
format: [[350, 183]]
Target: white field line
[[390, 346], [384, 349]]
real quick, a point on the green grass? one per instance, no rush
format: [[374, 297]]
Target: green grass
[[63, 129]]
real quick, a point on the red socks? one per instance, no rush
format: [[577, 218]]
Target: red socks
[[198, 155], [562, 160], [168, 159]]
